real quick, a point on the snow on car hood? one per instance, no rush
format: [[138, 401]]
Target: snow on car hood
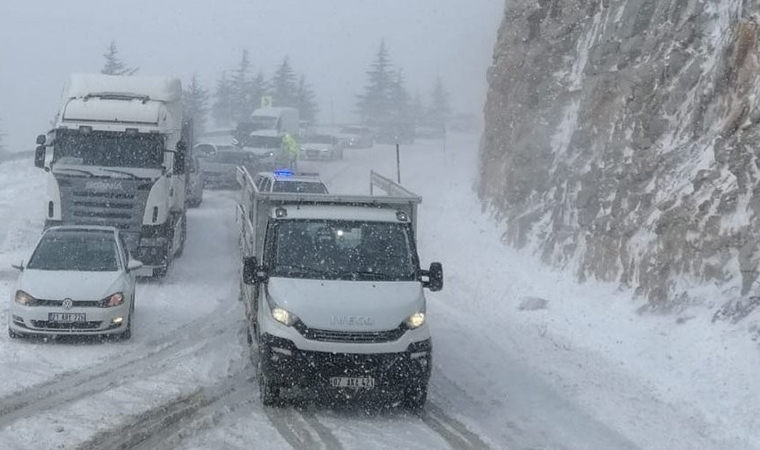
[[57, 285], [348, 305]]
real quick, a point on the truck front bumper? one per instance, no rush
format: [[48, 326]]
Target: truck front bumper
[[285, 365]]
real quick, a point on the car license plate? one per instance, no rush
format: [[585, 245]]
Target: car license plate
[[353, 382], [67, 317]]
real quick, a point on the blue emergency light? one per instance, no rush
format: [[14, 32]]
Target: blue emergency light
[[283, 173]]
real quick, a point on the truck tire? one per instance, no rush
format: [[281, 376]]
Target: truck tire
[[415, 398], [268, 393], [182, 236]]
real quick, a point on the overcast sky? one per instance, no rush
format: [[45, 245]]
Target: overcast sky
[[331, 41]]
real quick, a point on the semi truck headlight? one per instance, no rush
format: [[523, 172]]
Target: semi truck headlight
[[416, 320], [22, 298], [283, 316]]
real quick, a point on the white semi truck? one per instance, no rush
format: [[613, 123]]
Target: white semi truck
[[116, 157], [333, 292]]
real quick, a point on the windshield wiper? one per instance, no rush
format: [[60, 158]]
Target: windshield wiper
[[376, 275], [300, 270], [131, 175], [70, 169]]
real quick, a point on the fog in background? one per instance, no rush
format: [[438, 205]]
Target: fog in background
[[332, 41]]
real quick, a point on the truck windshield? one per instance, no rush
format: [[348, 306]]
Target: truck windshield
[[264, 122], [332, 250], [109, 149]]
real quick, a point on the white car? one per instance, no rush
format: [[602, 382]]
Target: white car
[[78, 280]]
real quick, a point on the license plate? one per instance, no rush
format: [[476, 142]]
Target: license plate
[[353, 382], [67, 317]]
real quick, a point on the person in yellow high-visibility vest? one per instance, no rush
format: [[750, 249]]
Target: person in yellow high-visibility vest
[[290, 151]]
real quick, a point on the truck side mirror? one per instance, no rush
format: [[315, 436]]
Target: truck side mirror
[[250, 270], [435, 277], [39, 156], [180, 158], [41, 139]]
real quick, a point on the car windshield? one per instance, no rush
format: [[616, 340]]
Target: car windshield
[[320, 140], [333, 250], [238, 158], [301, 187], [271, 142], [75, 251], [107, 149]]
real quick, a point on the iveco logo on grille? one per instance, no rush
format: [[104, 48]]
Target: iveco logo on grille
[[104, 185], [352, 320]]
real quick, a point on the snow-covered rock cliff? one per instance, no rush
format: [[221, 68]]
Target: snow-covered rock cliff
[[623, 140]]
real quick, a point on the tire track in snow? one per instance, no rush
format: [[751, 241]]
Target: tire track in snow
[[301, 429], [89, 381], [454, 432]]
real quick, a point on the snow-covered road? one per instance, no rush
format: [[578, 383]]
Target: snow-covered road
[[502, 379]]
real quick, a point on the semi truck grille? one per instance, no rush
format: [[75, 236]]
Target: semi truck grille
[[368, 337], [118, 203]]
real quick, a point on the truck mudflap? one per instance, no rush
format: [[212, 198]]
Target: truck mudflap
[[284, 365]]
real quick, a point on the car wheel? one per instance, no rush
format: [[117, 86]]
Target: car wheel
[[14, 335], [415, 398], [127, 334]]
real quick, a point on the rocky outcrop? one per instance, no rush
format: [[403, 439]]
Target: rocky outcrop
[[623, 139]]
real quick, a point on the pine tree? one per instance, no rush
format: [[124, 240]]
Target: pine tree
[[374, 106], [440, 107], [400, 107], [241, 100], [284, 86], [114, 65], [222, 109], [306, 101], [195, 102], [258, 88]]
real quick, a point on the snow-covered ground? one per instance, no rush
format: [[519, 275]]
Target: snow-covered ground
[[524, 357]]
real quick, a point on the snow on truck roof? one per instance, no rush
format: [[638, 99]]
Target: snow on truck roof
[[162, 89]]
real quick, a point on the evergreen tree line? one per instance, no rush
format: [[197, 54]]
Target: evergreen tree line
[[386, 99], [238, 92]]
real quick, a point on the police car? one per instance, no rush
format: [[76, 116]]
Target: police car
[[289, 181]]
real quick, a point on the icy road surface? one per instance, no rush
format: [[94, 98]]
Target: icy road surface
[[501, 380]]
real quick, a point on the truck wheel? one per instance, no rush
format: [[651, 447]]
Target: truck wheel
[[268, 393], [182, 237], [415, 398]]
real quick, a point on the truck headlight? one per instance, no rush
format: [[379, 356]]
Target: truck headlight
[[24, 299], [416, 320], [283, 316]]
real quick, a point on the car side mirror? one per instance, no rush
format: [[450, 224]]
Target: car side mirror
[[39, 156], [434, 280], [133, 265], [252, 273], [19, 267], [41, 139]]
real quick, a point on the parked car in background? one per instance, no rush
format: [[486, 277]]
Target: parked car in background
[[78, 280], [219, 169], [321, 147], [195, 183], [395, 133], [289, 181], [357, 137], [207, 149]]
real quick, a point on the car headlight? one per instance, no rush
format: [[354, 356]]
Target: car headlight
[[112, 300], [416, 320], [22, 298]]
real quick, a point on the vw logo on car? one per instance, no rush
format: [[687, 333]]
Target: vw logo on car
[[67, 303]]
